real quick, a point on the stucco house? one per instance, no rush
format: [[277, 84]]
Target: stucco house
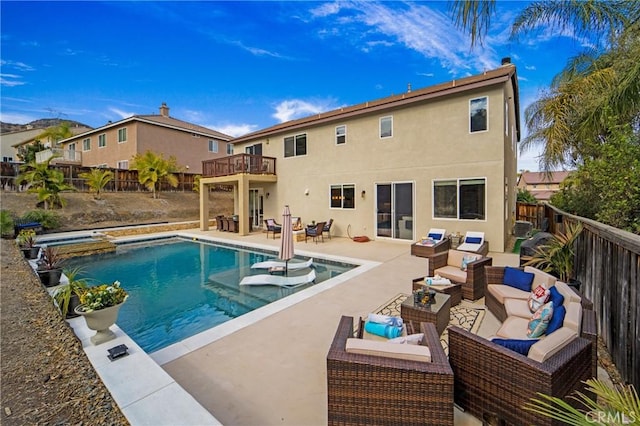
[[115, 144], [542, 185], [438, 157]]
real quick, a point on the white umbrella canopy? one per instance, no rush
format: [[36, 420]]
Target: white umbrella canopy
[[286, 240]]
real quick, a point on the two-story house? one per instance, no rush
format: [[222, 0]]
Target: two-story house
[[542, 185], [442, 156], [115, 144]]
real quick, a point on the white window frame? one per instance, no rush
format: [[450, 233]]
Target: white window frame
[[213, 145], [122, 132], [294, 139], [341, 198], [457, 199], [384, 119], [102, 140], [486, 98], [86, 144], [229, 148], [341, 132], [122, 164]]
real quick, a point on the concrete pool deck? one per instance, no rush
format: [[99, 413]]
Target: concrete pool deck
[[272, 369]]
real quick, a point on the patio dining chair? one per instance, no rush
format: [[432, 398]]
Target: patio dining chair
[[327, 228], [273, 227], [315, 232]]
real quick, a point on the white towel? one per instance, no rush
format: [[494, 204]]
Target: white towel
[[385, 319], [437, 281]]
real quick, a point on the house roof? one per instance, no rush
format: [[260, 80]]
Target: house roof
[[536, 178], [500, 75], [158, 120]]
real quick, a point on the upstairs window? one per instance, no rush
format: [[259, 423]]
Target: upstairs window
[[213, 145], [341, 135], [343, 196], [123, 164], [86, 144], [102, 140], [295, 146], [229, 149], [122, 135], [478, 114], [386, 127]]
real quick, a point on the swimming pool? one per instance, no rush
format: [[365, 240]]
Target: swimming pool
[[179, 287]]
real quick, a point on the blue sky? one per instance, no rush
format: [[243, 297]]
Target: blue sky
[[241, 66]]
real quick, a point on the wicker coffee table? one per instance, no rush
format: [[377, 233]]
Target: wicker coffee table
[[454, 289], [436, 313]]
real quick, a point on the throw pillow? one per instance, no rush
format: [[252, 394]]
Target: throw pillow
[[517, 278], [466, 259], [520, 346], [537, 298], [540, 321], [555, 296], [557, 319], [412, 339]]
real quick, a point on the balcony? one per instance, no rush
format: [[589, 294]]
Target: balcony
[[60, 156], [238, 164]]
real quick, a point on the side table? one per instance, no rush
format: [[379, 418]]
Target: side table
[[454, 290], [436, 313]]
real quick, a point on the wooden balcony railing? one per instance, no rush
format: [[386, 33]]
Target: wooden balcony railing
[[239, 163]]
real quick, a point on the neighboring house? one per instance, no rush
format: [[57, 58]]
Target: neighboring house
[[442, 156], [9, 143], [115, 144], [541, 185]]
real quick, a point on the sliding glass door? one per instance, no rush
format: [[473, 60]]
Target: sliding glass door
[[394, 215]]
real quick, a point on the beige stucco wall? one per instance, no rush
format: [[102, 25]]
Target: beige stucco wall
[[430, 141], [112, 152]]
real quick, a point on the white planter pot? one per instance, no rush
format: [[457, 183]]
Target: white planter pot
[[100, 321]]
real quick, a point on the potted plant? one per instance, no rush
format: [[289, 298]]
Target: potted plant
[[49, 267], [67, 296], [27, 242], [556, 257], [99, 305]]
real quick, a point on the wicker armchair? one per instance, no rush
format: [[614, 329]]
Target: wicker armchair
[[473, 287], [366, 389], [493, 383]]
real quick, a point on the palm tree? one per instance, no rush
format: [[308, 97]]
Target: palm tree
[[56, 133], [46, 182], [153, 168], [97, 179], [570, 119]]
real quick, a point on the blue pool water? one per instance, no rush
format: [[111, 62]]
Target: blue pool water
[[178, 288]]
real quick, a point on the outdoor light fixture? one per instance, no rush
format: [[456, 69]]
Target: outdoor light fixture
[[267, 195], [306, 191], [363, 193], [117, 352]]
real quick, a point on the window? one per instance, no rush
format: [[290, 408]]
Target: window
[[86, 144], [341, 135], [478, 114], [72, 151], [229, 149], [122, 135], [343, 196], [213, 145], [123, 164], [102, 140], [386, 127], [459, 199], [295, 146]]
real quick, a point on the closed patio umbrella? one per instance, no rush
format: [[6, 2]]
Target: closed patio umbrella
[[286, 242]]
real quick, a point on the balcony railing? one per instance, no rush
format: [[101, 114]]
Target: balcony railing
[[239, 163], [61, 156]]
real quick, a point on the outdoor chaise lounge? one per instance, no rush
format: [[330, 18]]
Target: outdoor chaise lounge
[[279, 280], [368, 389], [268, 264], [474, 242], [493, 382]]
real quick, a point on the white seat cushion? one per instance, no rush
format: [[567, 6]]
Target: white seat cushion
[[502, 292], [514, 328], [518, 308], [453, 273], [567, 292], [388, 350], [573, 317], [551, 344], [541, 278]]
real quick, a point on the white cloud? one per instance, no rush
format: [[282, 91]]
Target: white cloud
[[16, 118], [326, 9], [121, 113], [17, 65], [10, 80], [297, 108], [234, 130]]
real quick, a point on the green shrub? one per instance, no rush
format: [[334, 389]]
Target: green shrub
[[6, 223], [48, 219]]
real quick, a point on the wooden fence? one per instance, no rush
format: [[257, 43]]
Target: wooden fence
[[123, 181], [607, 263]]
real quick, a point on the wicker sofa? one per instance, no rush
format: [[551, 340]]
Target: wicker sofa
[[493, 382], [448, 265], [371, 389]]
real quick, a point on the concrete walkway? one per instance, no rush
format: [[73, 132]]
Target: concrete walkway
[[274, 371]]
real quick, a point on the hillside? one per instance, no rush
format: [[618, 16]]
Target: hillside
[[119, 209], [41, 123]]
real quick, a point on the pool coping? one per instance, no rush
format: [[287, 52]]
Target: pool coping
[[144, 391]]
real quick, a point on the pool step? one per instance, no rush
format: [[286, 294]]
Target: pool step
[[86, 249]]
